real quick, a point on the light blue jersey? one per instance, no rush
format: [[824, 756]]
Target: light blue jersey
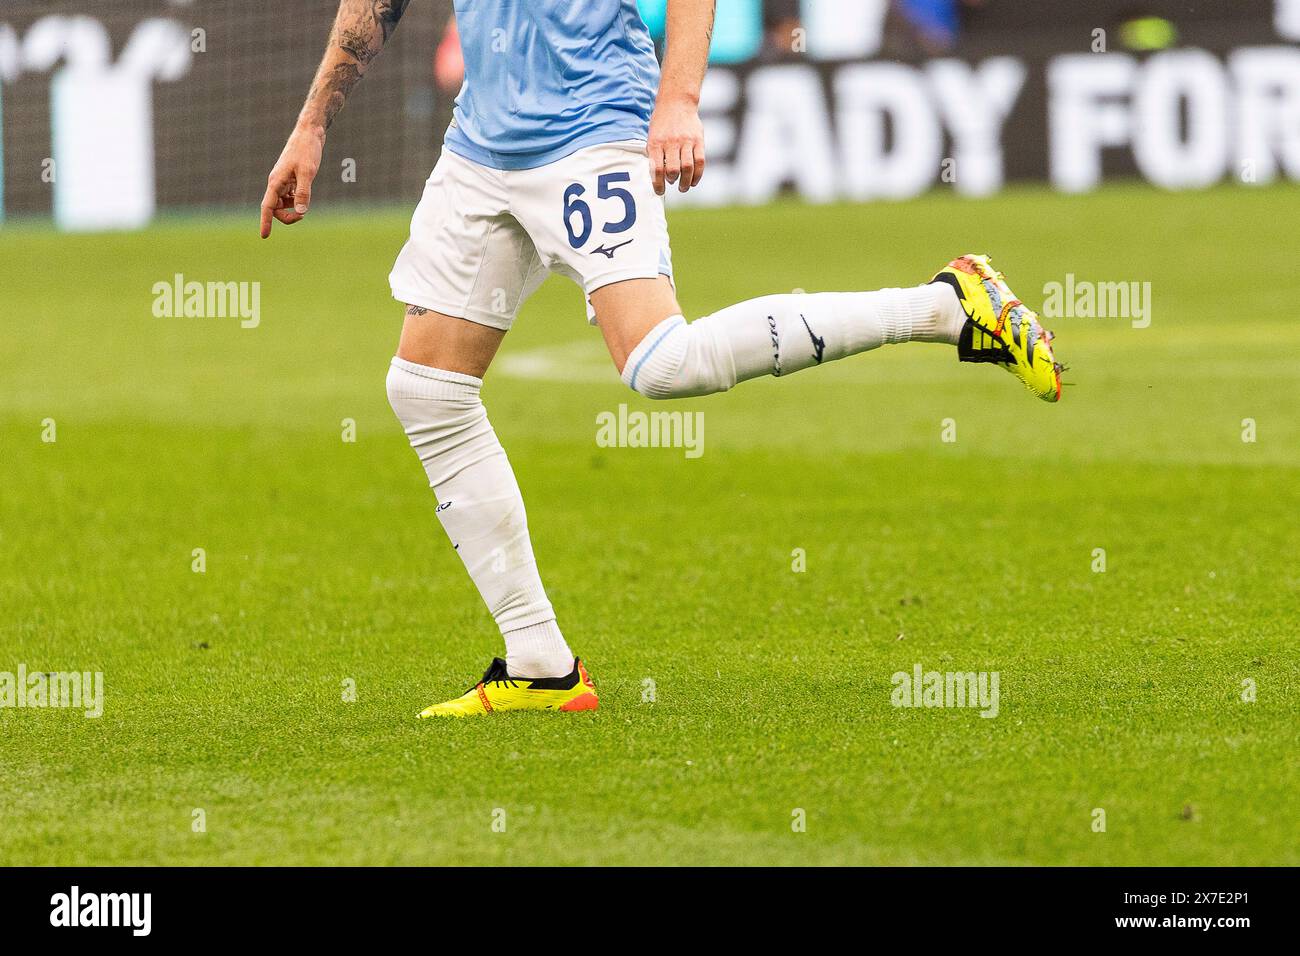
[[545, 78]]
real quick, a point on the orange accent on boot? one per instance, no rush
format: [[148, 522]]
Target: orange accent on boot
[[583, 702], [963, 264], [482, 695], [586, 678]]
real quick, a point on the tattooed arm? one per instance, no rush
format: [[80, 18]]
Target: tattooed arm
[[676, 144], [361, 29]]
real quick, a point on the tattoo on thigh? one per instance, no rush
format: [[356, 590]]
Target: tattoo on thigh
[[416, 310]]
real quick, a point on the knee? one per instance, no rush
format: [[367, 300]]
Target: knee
[[679, 360], [409, 396], [443, 417], [434, 404], [410, 382], [395, 384], [653, 368]]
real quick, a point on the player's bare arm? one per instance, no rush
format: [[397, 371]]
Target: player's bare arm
[[676, 141], [361, 28]]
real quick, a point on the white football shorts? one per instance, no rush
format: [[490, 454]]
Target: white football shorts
[[482, 239]]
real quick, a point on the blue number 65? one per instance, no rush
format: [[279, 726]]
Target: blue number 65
[[605, 189]]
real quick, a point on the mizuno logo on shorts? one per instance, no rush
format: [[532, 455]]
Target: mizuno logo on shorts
[[609, 253]]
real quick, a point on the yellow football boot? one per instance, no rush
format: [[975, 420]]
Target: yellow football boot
[[1000, 328], [498, 692]]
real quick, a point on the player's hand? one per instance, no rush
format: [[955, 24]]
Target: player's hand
[[288, 188], [676, 144]]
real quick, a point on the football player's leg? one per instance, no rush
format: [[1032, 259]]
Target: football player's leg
[[433, 387], [597, 219], [465, 271], [661, 355]]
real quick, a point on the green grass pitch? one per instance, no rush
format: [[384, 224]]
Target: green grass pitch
[[1120, 691]]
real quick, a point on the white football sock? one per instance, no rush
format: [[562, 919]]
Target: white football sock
[[782, 334], [538, 650], [480, 508]]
